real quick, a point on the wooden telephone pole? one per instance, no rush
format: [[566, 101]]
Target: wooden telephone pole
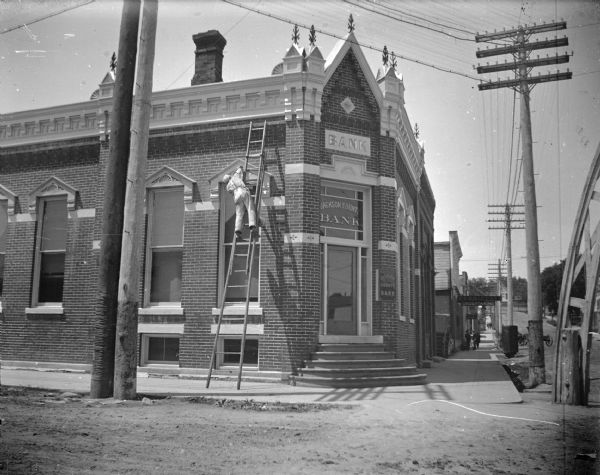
[[495, 271], [127, 312], [522, 64], [509, 225], [112, 209]]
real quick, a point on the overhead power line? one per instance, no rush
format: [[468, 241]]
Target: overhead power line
[[450, 27], [45, 17], [358, 5], [363, 45]]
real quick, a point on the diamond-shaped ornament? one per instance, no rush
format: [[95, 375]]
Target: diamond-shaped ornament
[[348, 105]]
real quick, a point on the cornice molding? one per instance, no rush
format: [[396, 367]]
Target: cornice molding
[[206, 103]]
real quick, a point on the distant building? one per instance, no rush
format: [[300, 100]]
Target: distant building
[[449, 285], [346, 246]]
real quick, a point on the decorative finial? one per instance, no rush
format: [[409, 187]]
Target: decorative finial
[[312, 35], [394, 62], [350, 24], [384, 56], [113, 62], [295, 35], [416, 130]]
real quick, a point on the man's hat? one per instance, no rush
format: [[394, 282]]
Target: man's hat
[[226, 178]]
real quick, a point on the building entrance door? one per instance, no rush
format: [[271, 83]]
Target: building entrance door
[[345, 259], [342, 290]]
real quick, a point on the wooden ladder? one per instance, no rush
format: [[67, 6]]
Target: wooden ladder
[[254, 162]]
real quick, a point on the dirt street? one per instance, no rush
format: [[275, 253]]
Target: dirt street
[[46, 432]]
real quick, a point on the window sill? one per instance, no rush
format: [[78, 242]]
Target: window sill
[[161, 328], [238, 310], [157, 310], [43, 310], [237, 329], [402, 318]]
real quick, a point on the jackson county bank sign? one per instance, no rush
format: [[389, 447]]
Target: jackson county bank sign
[[348, 143]]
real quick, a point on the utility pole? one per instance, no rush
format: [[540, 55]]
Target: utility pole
[[112, 210], [522, 64], [495, 271], [508, 227], [125, 386]]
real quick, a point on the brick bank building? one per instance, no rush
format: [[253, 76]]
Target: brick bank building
[[346, 243]]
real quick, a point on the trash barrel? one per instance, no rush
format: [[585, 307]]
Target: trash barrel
[[510, 340]]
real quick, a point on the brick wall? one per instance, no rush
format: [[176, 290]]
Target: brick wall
[[66, 337]]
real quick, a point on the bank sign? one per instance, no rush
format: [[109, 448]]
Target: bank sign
[[340, 213], [348, 143]]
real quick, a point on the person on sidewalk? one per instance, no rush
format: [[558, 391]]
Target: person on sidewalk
[[242, 198], [476, 340], [468, 339]]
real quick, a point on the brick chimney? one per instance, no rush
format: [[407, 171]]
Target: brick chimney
[[209, 57]]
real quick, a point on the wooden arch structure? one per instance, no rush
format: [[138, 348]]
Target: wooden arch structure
[[576, 312]]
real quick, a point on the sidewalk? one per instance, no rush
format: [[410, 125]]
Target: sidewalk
[[474, 377]]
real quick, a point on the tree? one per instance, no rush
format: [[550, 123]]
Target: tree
[[551, 281], [481, 286]]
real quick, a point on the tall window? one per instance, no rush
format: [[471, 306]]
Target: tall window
[[236, 290], [402, 272], [401, 221], [411, 270], [164, 254], [51, 246], [3, 228]]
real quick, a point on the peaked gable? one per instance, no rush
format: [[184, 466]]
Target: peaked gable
[[348, 93], [167, 176], [337, 55], [53, 187], [10, 198], [109, 78]]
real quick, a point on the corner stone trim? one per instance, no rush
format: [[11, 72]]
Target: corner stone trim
[[387, 246], [296, 168], [301, 238], [387, 181]]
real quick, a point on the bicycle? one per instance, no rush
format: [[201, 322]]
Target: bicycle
[[523, 339]]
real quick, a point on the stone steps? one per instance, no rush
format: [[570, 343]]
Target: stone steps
[[347, 355], [355, 363], [358, 372], [360, 382]]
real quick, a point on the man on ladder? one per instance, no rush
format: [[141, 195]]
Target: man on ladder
[[242, 198], [244, 202]]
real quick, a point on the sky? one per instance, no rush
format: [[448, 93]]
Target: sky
[[52, 54]]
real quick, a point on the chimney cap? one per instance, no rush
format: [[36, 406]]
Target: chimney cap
[[209, 38]]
